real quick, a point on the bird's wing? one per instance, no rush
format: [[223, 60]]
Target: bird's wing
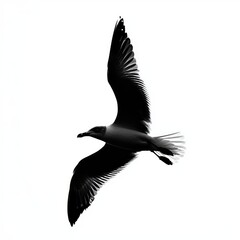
[[90, 174], [133, 104]]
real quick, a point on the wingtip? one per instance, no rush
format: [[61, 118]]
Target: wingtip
[[72, 220], [120, 20]]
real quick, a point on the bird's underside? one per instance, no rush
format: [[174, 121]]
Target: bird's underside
[[126, 136]]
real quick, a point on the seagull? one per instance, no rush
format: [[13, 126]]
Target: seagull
[[126, 136]]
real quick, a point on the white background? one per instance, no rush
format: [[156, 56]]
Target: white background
[[53, 86]]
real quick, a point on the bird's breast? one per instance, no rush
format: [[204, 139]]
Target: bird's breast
[[126, 138]]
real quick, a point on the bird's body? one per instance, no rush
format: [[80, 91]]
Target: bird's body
[[126, 136]]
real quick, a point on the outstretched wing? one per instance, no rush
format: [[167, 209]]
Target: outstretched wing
[[133, 104], [90, 174]]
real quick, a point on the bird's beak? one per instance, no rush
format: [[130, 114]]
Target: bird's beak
[[83, 134]]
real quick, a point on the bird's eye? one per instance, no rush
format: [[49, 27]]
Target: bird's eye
[[97, 129]]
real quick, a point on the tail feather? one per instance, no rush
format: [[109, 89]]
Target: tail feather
[[168, 146], [165, 151]]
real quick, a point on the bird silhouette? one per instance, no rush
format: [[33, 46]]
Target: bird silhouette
[[127, 135]]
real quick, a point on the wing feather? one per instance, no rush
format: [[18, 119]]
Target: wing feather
[[90, 174], [133, 103]]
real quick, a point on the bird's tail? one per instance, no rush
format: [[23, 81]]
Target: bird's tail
[[168, 147]]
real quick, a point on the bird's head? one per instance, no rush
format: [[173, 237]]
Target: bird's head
[[96, 132]]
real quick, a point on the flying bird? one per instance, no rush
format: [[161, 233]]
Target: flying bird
[[126, 136]]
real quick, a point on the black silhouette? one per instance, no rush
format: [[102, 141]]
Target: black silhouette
[[126, 136]]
